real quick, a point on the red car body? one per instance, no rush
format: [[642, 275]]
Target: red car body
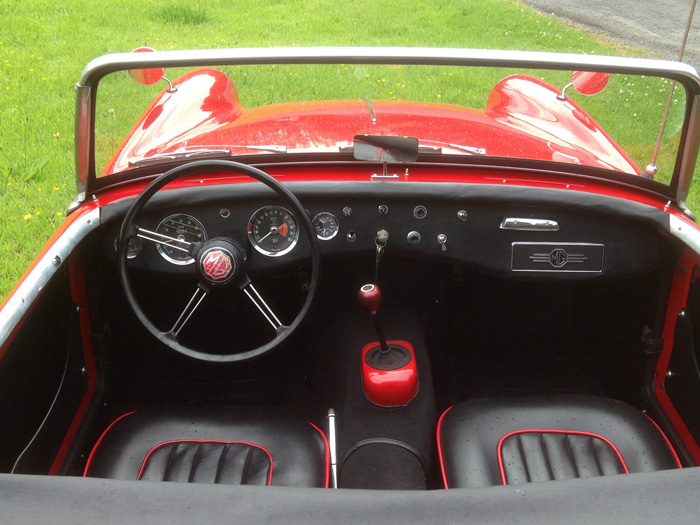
[[523, 117], [525, 260]]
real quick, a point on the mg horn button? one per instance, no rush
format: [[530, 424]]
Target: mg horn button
[[217, 264]]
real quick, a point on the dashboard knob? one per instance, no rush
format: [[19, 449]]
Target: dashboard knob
[[413, 237]]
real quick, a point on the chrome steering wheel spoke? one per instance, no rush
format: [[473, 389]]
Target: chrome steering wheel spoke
[[191, 307], [260, 303], [158, 238]]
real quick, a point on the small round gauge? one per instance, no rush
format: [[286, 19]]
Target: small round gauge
[[326, 226], [133, 247], [273, 231], [185, 228]]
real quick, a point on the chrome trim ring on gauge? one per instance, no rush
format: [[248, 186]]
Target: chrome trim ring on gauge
[[326, 225], [273, 231], [133, 248], [182, 227]]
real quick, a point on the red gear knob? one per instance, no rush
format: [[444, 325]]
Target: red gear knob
[[370, 296]]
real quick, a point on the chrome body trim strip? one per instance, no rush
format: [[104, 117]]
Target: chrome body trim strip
[[688, 234], [21, 301]]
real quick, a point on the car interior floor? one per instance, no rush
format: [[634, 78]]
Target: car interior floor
[[510, 337]]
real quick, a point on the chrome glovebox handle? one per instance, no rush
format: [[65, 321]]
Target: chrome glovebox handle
[[529, 224]]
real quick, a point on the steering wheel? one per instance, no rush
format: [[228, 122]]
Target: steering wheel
[[218, 263]]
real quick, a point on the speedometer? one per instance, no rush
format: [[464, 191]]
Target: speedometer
[[180, 227], [273, 231]]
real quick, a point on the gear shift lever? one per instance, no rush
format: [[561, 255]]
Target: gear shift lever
[[389, 369], [370, 296]]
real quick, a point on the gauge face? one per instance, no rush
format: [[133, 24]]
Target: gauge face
[[326, 226], [184, 228], [273, 231], [133, 247]]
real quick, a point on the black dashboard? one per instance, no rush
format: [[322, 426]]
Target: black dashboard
[[515, 231]]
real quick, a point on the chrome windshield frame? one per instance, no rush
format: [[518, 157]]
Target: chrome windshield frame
[[102, 66]]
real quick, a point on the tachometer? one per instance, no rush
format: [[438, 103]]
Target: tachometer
[[184, 228], [326, 225], [273, 231]]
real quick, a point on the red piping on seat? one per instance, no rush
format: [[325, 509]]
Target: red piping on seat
[[439, 447], [327, 453], [176, 441], [99, 441], [668, 442], [574, 432]]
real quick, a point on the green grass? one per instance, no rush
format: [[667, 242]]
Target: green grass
[[183, 14], [44, 45]]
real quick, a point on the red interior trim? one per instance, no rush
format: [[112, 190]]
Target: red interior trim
[[99, 441], [677, 302], [668, 442], [176, 441], [439, 447], [501, 466], [79, 296], [328, 457]]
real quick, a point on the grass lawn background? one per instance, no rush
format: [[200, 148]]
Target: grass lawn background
[[44, 46]]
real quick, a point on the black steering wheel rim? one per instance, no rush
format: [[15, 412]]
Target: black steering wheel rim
[[127, 231]]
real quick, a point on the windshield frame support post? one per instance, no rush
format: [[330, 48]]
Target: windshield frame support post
[[84, 117], [690, 154]]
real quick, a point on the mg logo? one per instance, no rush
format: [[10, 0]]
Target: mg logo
[[217, 266], [558, 258]]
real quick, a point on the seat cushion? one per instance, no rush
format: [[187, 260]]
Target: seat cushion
[[211, 445], [493, 441]]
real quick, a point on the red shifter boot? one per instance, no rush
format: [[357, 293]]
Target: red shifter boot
[[389, 374]]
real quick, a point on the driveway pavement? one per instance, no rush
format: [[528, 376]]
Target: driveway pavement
[[651, 24]]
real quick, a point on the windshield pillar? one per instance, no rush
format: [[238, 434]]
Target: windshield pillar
[[83, 141]]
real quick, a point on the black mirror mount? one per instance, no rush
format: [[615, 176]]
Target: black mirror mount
[[385, 149]]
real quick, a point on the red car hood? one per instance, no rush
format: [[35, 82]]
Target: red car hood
[[523, 119]]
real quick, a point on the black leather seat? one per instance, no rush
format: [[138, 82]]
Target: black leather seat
[[211, 445], [494, 441]]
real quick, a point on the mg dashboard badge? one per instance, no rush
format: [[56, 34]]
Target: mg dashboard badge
[[217, 265], [565, 257], [558, 258]]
